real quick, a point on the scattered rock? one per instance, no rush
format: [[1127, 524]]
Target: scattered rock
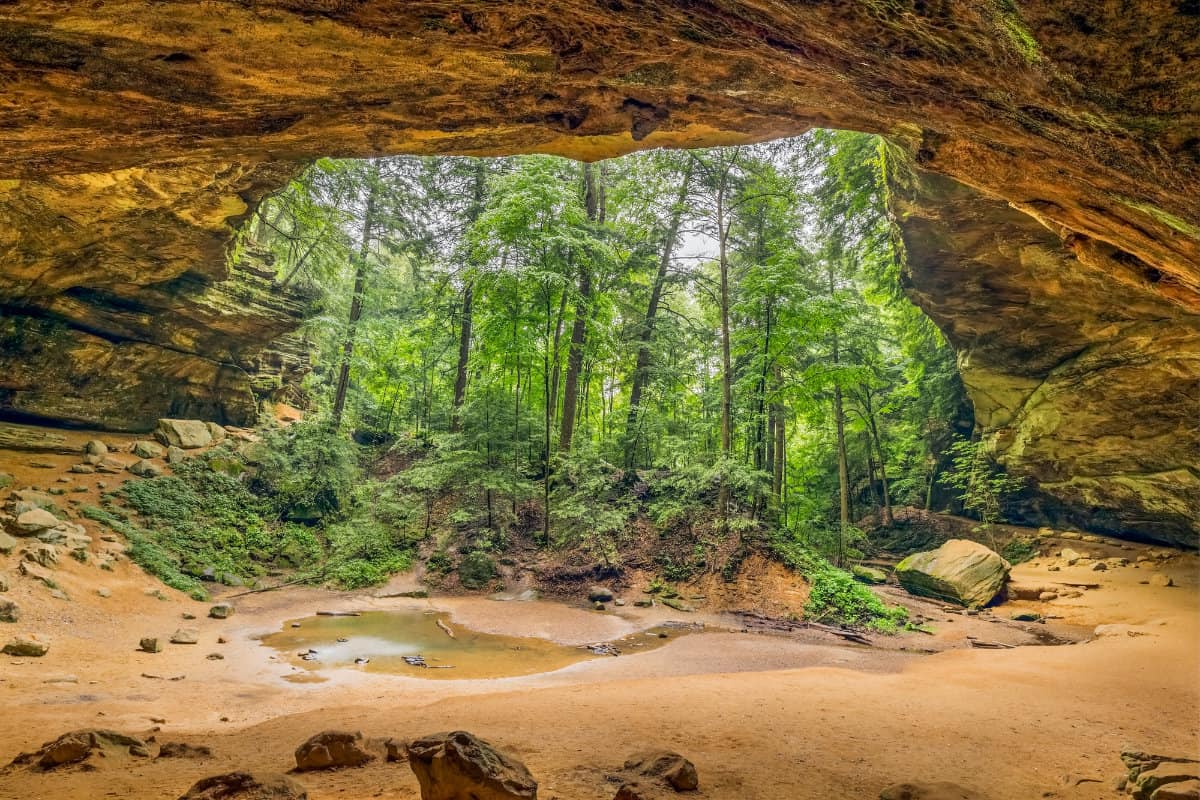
[[37, 572], [182, 750], [3, 582], [185, 433], [1183, 790], [598, 594], [868, 574], [95, 447], [7, 543], [1046, 597], [185, 636], [960, 571], [77, 746], [455, 765], [221, 611], [1148, 785], [633, 791], [27, 647], [150, 644], [395, 749], [104, 592], [216, 432], [928, 791], [9, 611], [333, 749], [246, 786], [1026, 616], [1070, 556], [619, 603], [111, 466], [215, 657], [36, 519], [145, 469], [644, 603], [145, 449], [43, 554], [1075, 535], [675, 770], [598, 606], [82, 469], [1099, 566], [175, 455], [1158, 579]]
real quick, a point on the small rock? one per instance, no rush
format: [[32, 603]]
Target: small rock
[[928, 791], [331, 749], [1046, 597], [150, 644], [618, 602], [216, 432], [643, 603], [9, 611], [221, 611], [37, 519], [111, 466], [185, 636], [1026, 616], [7, 543], [674, 769], [104, 592], [3, 582], [599, 594], [145, 469], [95, 447], [246, 786], [1070, 556], [182, 750], [215, 657], [175, 455], [1099, 566], [1158, 579], [26, 647], [597, 606], [395, 749], [144, 449], [82, 469], [186, 615]]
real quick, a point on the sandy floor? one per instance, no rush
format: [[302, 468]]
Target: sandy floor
[[763, 716]]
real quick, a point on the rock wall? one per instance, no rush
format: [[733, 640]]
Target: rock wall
[[121, 357], [136, 134]]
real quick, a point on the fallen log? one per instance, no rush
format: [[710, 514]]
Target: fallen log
[[445, 628], [339, 614]]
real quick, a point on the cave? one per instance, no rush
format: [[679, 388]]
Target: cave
[[1051, 220]]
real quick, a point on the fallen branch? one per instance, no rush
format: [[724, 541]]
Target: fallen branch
[[338, 614], [445, 628], [268, 588], [990, 645]]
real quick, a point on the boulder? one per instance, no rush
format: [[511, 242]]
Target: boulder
[[26, 647], [253, 453], [459, 765], [928, 791], [333, 749], [36, 519], [868, 574], [9, 611], [95, 447], [3, 582], [960, 571], [1158, 579], [216, 432], [634, 791], [147, 449], [672, 768], [184, 750], [82, 469], [175, 455], [185, 433], [77, 746], [598, 594], [42, 554], [1184, 790], [1149, 784], [246, 786], [111, 466], [221, 611], [150, 644], [7, 543], [145, 469], [185, 636]]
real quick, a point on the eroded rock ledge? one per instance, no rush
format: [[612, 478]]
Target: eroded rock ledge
[[136, 135]]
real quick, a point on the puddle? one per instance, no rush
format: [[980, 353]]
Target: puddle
[[386, 638]]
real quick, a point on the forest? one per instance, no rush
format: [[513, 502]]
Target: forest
[[713, 345]]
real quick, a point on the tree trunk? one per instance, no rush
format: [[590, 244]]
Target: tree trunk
[[839, 416], [641, 370], [468, 303], [888, 519], [780, 447], [726, 377], [593, 195], [356, 302]]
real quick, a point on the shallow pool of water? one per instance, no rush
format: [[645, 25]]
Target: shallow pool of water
[[380, 641]]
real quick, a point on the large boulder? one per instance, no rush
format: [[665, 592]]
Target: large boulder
[[26, 647], [185, 433], [461, 766], [333, 749], [35, 520], [960, 571], [147, 449], [246, 786]]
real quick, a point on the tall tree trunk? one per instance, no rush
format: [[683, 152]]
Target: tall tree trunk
[[888, 519], [780, 444], [356, 302], [726, 365], [641, 370], [839, 416], [557, 367], [593, 198], [468, 303]]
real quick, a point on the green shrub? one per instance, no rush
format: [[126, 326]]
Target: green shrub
[[308, 470], [476, 570], [1019, 549], [364, 552], [834, 595]]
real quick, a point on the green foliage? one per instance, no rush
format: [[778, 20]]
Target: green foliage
[[834, 594], [147, 553], [476, 570], [1019, 549], [364, 552], [982, 486], [309, 470]]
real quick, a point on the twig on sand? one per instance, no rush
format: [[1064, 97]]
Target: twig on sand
[[990, 645], [269, 588]]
